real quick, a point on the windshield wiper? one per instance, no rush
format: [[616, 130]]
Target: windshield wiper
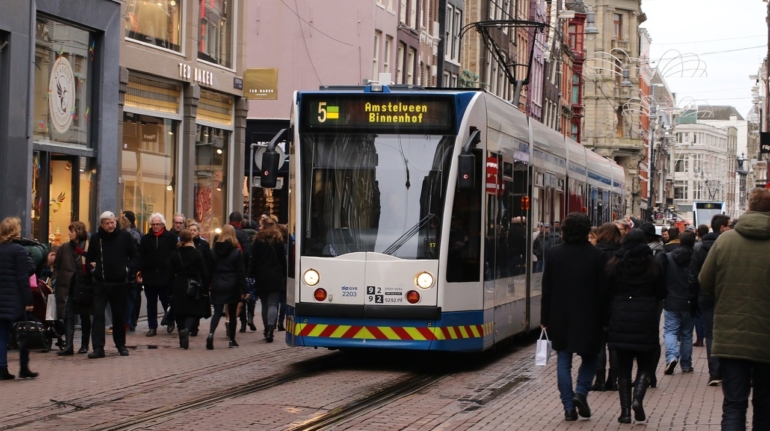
[[403, 239]]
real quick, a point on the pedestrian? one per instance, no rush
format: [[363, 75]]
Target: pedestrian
[[544, 241], [70, 276], [608, 239], [623, 226], [635, 286], [719, 224], [111, 254], [665, 236], [673, 239], [247, 308], [202, 246], [16, 267], [572, 310], [228, 282], [133, 291], [177, 224], [155, 271], [268, 269], [282, 300], [655, 242], [189, 270], [678, 307], [735, 275], [137, 235]]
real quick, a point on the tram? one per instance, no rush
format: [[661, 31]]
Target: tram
[[413, 215]]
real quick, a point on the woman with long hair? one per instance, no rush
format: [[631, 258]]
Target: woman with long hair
[[70, 275], [268, 269], [635, 284], [16, 267], [189, 270], [202, 246], [608, 241], [228, 282]]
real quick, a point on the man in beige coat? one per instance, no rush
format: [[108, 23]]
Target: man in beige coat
[[737, 274]]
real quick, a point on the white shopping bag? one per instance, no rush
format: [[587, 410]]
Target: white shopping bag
[[543, 350], [50, 308]]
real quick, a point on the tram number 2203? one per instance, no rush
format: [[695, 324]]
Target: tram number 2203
[[374, 294]]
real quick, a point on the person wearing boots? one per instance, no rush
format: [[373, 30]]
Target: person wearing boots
[[636, 284], [187, 264], [608, 238], [573, 310], [70, 275], [268, 269], [16, 267], [228, 283]]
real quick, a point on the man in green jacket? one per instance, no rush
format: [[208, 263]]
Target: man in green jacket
[[736, 274]]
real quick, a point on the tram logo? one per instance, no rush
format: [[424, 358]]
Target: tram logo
[[61, 87]]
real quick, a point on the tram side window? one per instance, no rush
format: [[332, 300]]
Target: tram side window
[[464, 256]]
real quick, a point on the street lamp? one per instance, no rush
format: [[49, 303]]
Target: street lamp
[[626, 82], [591, 22]]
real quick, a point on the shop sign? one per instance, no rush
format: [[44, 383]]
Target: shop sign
[[260, 84], [203, 77], [61, 100]]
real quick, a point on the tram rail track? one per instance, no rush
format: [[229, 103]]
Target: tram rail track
[[404, 386], [162, 414]]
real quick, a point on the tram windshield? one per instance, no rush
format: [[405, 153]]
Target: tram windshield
[[373, 193]]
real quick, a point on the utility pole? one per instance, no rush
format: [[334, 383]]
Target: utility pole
[[441, 43]]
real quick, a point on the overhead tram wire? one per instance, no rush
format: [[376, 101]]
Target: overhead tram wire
[[705, 41]]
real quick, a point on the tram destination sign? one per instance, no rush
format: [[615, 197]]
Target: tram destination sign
[[377, 113]]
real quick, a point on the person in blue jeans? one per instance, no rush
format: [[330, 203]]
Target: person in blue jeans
[[573, 311], [678, 324]]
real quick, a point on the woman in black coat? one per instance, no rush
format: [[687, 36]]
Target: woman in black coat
[[635, 285], [187, 265], [268, 269], [202, 246], [228, 282], [15, 295], [572, 309], [70, 275], [608, 241]]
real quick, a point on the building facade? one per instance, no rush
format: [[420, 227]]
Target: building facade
[[181, 110], [729, 117], [611, 126], [700, 165], [59, 113]]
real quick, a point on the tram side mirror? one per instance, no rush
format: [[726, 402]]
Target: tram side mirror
[[466, 163], [270, 160]]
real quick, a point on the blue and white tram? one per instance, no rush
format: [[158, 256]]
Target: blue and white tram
[[413, 216]]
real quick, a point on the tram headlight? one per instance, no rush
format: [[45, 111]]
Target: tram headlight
[[311, 277], [424, 280]]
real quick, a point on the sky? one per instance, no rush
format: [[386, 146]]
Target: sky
[[706, 28]]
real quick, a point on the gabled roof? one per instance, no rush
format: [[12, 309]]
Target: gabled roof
[[720, 112]]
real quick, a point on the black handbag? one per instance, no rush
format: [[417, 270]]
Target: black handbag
[[30, 335], [193, 285]]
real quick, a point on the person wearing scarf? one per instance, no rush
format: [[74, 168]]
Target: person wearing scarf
[[70, 275], [636, 284], [155, 251]]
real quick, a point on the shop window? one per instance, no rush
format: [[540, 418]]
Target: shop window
[[63, 57], [157, 22], [211, 155], [215, 43], [149, 166]]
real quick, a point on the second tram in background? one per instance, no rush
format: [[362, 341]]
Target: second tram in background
[[415, 214]]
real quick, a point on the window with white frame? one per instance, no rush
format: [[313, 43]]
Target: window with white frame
[[402, 12], [387, 54], [681, 165], [493, 84], [492, 8], [412, 14], [457, 26], [400, 63], [376, 55], [446, 79], [390, 5], [680, 190], [410, 66], [454, 81], [449, 32]]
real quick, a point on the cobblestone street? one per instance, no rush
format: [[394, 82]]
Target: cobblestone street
[[160, 386]]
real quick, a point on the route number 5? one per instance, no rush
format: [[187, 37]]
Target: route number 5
[[321, 112]]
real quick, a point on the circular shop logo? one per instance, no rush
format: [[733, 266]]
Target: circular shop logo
[[61, 101]]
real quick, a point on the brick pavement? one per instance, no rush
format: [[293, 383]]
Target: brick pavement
[[497, 392]]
